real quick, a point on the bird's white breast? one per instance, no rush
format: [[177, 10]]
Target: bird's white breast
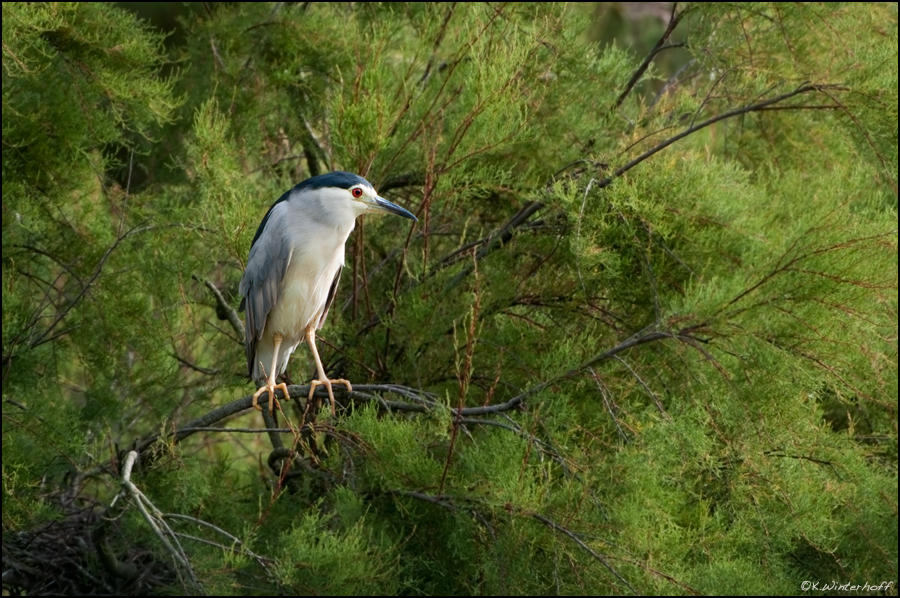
[[317, 253]]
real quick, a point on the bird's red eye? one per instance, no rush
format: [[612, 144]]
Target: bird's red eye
[[357, 192]]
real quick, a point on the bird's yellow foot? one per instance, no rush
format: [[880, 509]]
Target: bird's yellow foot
[[327, 384], [270, 387]]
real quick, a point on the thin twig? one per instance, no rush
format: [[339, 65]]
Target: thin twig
[[233, 317], [195, 367], [647, 388], [263, 561], [154, 519], [607, 402], [572, 536], [237, 430], [84, 289], [661, 45], [729, 114]]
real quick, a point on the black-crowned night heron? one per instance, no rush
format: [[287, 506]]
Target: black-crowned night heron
[[293, 271]]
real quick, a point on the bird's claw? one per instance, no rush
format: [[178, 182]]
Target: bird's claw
[[270, 387], [327, 384]]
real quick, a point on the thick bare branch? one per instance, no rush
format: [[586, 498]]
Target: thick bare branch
[[153, 517]]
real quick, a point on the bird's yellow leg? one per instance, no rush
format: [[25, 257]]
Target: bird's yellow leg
[[270, 385], [323, 379]]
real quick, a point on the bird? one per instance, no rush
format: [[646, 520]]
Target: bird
[[293, 270]]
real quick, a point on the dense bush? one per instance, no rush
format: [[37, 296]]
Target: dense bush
[[642, 340]]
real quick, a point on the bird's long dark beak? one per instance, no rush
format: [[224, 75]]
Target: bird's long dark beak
[[380, 204]]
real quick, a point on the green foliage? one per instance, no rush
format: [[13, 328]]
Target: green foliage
[[646, 325]]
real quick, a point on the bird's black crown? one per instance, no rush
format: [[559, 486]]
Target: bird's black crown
[[338, 178]]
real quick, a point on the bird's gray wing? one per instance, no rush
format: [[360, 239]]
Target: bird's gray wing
[[267, 263], [331, 293]]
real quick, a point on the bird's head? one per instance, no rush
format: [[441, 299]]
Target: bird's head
[[345, 194]]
